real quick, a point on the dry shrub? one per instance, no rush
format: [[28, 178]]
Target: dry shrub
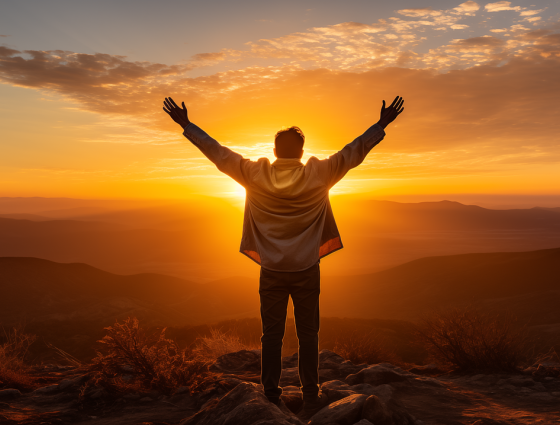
[[14, 372], [471, 339], [132, 359], [550, 356], [219, 343], [370, 348]]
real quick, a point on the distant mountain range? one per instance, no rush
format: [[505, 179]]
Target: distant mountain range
[[526, 284], [448, 216], [200, 241]]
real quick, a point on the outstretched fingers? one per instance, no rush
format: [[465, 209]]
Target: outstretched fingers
[[399, 104], [173, 102], [168, 103], [395, 101], [397, 107]]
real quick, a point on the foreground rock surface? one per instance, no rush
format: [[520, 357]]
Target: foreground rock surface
[[378, 394], [245, 404]]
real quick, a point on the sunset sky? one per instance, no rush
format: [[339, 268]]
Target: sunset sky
[[83, 85]]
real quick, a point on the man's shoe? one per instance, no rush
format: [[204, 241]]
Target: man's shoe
[[310, 407]]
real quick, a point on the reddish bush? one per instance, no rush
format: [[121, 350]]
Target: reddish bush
[[471, 339], [14, 373], [130, 358]]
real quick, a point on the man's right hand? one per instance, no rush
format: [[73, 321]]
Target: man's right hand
[[389, 114], [179, 115]]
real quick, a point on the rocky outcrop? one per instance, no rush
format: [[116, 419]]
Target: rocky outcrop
[[245, 404], [355, 393], [240, 361], [378, 394]]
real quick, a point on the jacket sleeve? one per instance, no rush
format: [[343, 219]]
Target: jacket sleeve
[[352, 155], [231, 163]]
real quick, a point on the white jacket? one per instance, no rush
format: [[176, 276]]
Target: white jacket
[[288, 222]]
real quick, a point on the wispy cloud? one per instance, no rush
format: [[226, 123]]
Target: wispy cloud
[[501, 6]]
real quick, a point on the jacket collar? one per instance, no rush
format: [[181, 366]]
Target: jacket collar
[[287, 163]]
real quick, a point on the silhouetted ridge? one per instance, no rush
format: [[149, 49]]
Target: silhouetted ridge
[[34, 288], [526, 283]]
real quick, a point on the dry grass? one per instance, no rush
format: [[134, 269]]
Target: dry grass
[[371, 348], [14, 373], [471, 339], [220, 343], [132, 359]]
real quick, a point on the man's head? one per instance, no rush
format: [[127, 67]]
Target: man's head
[[288, 143]]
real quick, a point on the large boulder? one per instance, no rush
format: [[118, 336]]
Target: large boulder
[[376, 375], [9, 393], [71, 382], [329, 360], [337, 390], [245, 404], [376, 411], [49, 389], [342, 412], [333, 367], [391, 412], [240, 361]]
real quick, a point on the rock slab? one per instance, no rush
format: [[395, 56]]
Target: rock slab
[[245, 404], [342, 412]]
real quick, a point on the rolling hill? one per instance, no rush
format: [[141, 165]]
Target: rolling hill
[[34, 289], [524, 283]]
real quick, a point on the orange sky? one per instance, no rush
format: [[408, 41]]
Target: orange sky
[[481, 107]]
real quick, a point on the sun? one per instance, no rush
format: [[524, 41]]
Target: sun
[[240, 191], [236, 191]]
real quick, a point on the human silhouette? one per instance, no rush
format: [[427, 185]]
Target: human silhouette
[[288, 227]]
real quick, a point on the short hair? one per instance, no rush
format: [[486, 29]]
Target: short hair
[[289, 142]]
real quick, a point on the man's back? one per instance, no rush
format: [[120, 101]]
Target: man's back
[[286, 208], [288, 223]]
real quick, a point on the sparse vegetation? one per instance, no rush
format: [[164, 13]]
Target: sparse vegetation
[[14, 372], [370, 348], [220, 343], [471, 339], [132, 359]]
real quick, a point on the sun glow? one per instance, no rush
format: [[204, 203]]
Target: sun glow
[[238, 191]]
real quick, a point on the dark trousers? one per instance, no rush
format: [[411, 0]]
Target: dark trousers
[[275, 289]]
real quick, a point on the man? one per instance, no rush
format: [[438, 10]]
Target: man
[[288, 226]]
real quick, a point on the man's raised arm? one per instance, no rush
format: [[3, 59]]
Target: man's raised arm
[[227, 161], [354, 153]]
